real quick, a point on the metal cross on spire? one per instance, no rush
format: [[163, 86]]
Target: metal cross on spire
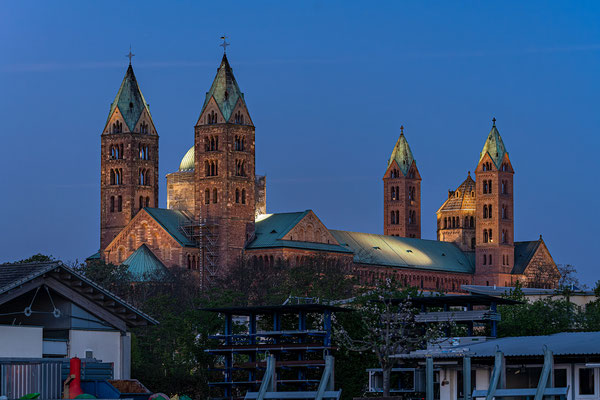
[[494, 121], [224, 44], [130, 55], [402, 129]]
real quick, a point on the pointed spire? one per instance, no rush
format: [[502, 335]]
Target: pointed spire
[[129, 100], [224, 90], [402, 153], [494, 146]]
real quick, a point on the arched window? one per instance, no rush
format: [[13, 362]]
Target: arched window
[[490, 235], [112, 177], [490, 211], [147, 201], [466, 223], [445, 222], [490, 259], [504, 236], [215, 195], [485, 187], [112, 203], [237, 195], [141, 202], [144, 127], [472, 224], [485, 236], [397, 216], [206, 168], [120, 204], [393, 218], [207, 196], [484, 259], [243, 196], [393, 193], [490, 187], [472, 243], [503, 211], [485, 211], [189, 261]]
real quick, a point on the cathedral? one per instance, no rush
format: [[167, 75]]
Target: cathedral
[[216, 207]]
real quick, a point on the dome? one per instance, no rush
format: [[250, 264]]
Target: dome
[[187, 162]]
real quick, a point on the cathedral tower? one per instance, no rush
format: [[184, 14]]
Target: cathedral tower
[[402, 193], [495, 248], [456, 218], [224, 169], [128, 160]]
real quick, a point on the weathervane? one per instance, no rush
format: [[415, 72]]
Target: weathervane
[[224, 44], [130, 55]]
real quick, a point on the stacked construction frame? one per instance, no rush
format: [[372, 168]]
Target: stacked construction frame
[[298, 336], [205, 233]]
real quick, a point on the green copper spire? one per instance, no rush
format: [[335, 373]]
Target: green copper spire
[[224, 90], [494, 146], [129, 100], [402, 154]]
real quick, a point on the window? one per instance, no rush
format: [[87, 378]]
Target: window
[[393, 193], [490, 235], [240, 168], [211, 118], [485, 211], [490, 211], [485, 187], [117, 127], [112, 177], [207, 196], [144, 127], [490, 259], [445, 223], [211, 168], [141, 202], [237, 195], [215, 195], [112, 203], [586, 381], [504, 236], [472, 224], [393, 218], [243, 196], [147, 201], [490, 187], [120, 204], [397, 217], [503, 212], [485, 236], [472, 243]]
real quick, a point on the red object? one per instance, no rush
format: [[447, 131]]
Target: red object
[[75, 384]]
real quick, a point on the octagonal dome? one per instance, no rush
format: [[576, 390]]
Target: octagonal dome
[[187, 162]]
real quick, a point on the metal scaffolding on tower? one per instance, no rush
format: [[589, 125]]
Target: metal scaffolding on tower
[[204, 232]]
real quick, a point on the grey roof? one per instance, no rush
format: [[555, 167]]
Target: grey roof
[[524, 251], [15, 275], [506, 290], [561, 344], [395, 251]]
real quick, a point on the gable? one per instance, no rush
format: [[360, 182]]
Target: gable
[[240, 110], [310, 229], [540, 261], [116, 117], [210, 108], [147, 119]]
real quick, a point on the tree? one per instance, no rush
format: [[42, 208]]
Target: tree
[[386, 326], [36, 258], [568, 276]]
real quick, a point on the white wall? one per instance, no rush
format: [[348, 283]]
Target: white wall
[[21, 341], [106, 346]]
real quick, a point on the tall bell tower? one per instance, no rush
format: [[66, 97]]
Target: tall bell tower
[[128, 160], [495, 248], [402, 193], [224, 182]]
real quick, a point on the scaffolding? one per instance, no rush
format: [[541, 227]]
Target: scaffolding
[[204, 232]]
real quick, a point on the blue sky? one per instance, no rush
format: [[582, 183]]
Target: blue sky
[[328, 84]]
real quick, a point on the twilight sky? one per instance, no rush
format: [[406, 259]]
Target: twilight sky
[[328, 84]]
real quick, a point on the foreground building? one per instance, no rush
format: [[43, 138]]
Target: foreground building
[[216, 206]]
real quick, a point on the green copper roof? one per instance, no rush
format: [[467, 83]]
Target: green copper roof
[[402, 155], [129, 100], [171, 221], [187, 162], [270, 228], [224, 89], [144, 266], [494, 146], [394, 251]]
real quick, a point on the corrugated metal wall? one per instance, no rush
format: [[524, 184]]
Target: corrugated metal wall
[[19, 379]]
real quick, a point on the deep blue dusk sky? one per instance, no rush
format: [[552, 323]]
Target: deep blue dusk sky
[[328, 84]]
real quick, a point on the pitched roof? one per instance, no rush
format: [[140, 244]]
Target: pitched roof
[[144, 266], [224, 89], [402, 155], [271, 228], [524, 251], [171, 221], [494, 146], [129, 100], [403, 252], [14, 275], [560, 344], [461, 198]]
